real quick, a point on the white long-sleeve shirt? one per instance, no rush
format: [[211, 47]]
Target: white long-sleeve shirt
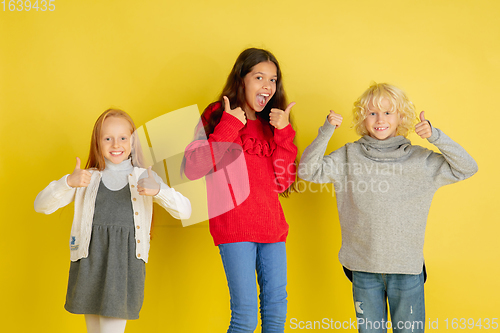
[[59, 194]]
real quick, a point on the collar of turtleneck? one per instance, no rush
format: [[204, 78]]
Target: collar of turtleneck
[[115, 176], [390, 149]]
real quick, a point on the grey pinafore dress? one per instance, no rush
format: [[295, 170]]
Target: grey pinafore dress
[[110, 281]]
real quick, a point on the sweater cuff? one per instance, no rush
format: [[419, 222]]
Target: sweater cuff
[[230, 123], [175, 203], [285, 134], [327, 128], [164, 192], [434, 136], [66, 186], [61, 187]]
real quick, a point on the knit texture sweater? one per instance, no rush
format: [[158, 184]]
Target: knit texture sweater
[[245, 167], [59, 194], [384, 190]]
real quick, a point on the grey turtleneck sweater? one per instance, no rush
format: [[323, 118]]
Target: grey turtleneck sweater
[[384, 190]]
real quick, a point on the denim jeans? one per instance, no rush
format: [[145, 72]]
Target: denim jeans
[[241, 261], [405, 294]]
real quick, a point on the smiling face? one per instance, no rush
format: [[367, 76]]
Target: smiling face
[[381, 123], [115, 139], [260, 86]]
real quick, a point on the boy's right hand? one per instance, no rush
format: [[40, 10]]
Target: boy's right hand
[[79, 177], [334, 119], [238, 112]]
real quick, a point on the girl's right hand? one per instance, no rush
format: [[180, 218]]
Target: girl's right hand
[[79, 177], [334, 119], [238, 112]]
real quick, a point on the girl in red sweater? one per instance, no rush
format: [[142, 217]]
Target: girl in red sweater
[[246, 152]]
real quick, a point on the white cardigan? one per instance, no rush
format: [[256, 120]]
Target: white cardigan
[[59, 194]]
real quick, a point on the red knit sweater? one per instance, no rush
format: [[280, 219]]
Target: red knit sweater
[[267, 169]]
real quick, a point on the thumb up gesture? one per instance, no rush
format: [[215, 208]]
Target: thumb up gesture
[[335, 119], [279, 118], [423, 128], [238, 112], [148, 186], [79, 177]]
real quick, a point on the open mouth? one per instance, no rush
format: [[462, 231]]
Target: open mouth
[[116, 153], [262, 99], [381, 128]]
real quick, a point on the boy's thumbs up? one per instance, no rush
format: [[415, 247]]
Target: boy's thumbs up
[[423, 128], [150, 173], [335, 119], [422, 116]]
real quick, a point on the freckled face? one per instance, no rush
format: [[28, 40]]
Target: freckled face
[[382, 123], [115, 139]]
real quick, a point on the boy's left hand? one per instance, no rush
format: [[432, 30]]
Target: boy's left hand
[[148, 186], [423, 128]]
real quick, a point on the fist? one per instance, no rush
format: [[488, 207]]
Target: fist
[[279, 118], [334, 119], [148, 186], [423, 128], [238, 112], [79, 177]]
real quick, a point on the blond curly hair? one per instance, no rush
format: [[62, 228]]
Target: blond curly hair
[[399, 103]]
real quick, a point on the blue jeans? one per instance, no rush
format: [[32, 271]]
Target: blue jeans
[[405, 294], [240, 261]]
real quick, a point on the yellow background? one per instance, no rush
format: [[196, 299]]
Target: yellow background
[[59, 70]]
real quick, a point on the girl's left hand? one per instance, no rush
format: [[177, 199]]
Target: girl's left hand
[[423, 128], [148, 186], [279, 118]]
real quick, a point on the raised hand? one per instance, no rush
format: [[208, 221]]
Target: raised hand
[[423, 128], [335, 119], [148, 186], [279, 118], [79, 177], [238, 112]]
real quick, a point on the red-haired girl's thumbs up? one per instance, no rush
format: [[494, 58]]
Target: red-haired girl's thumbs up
[[148, 186], [79, 177]]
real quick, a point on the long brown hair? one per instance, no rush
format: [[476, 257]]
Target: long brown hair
[[96, 158], [234, 90]]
